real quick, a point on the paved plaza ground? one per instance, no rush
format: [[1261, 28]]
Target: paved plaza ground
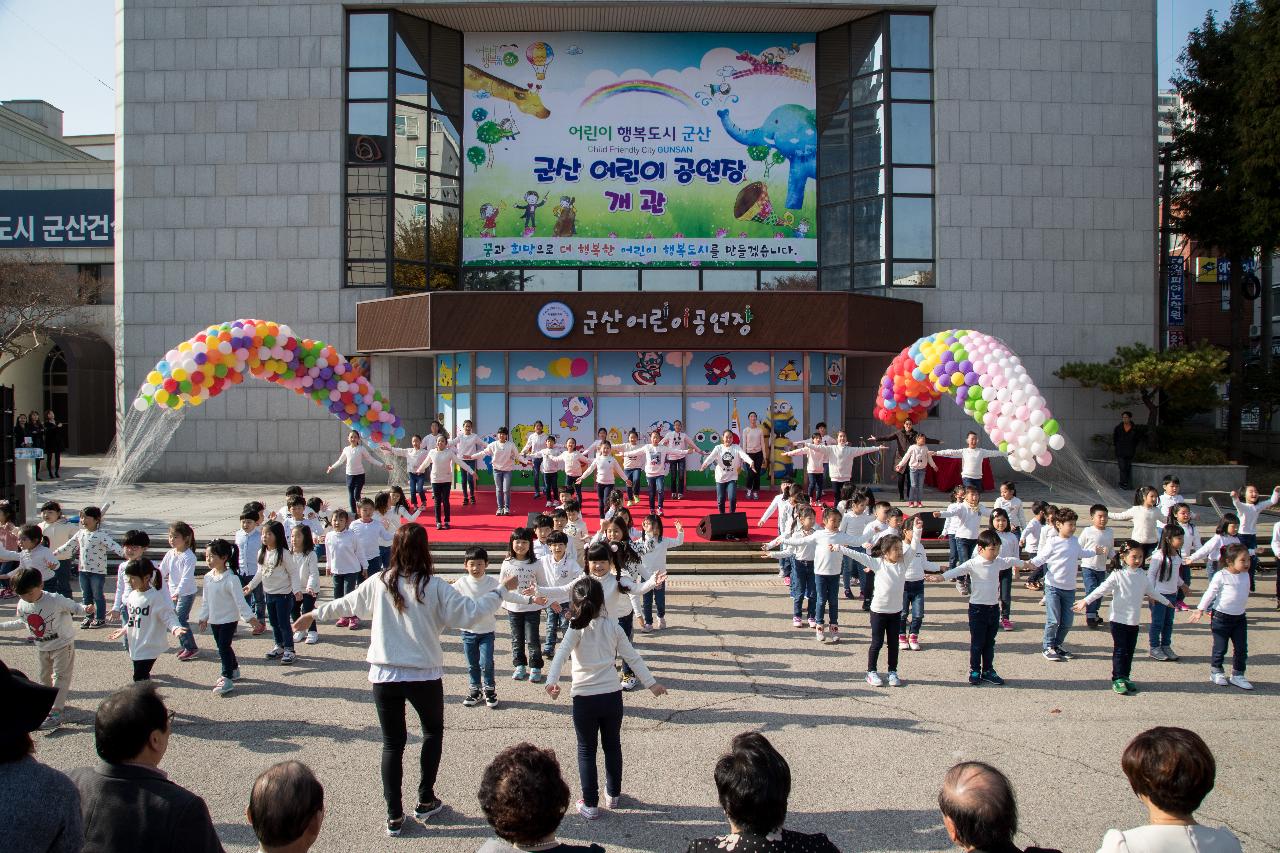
[[866, 762]]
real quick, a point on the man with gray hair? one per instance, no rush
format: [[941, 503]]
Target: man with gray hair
[[979, 809], [286, 808]]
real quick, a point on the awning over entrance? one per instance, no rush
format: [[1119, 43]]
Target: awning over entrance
[[845, 323]]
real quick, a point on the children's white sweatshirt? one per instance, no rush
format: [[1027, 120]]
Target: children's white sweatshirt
[[799, 542], [39, 557], [368, 534], [222, 600], [1249, 512], [409, 639], [275, 575], [825, 561], [352, 460], [1061, 560], [48, 621], [151, 621], [1227, 593], [93, 548], [653, 553], [306, 571], [505, 455], [728, 460], [970, 460], [1145, 520], [1128, 588], [1031, 535], [480, 592], [840, 458], [890, 579], [593, 650], [342, 553], [1012, 508], [968, 519], [984, 578], [442, 462], [1090, 538], [178, 568], [526, 574], [916, 558], [1169, 585], [1213, 548]]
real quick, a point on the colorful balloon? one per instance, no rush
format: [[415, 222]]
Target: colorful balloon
[[201, 368]]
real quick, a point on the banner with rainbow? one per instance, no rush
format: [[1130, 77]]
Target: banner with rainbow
[[639, 149]]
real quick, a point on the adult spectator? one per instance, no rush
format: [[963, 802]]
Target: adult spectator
[[904, 437], [55, 444], [286, 808], [127, 801], [979, 809], [20, 430], [39, 807], [1172, 771], [524, 798], [754, 782], [1125, 438]]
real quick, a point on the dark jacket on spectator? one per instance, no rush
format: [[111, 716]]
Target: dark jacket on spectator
[[1126, 443], [128, 807], [55, 437]]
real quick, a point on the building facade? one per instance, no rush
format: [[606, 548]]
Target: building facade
[[977, 164]]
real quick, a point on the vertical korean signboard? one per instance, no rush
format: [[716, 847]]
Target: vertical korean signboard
[[630, 149], [1176, 318]]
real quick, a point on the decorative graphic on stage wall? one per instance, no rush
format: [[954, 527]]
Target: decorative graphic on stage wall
[[628, 149]]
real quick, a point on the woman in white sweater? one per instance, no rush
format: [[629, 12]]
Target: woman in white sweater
[[594, 640], [409, 608]]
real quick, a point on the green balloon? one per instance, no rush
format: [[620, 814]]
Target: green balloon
[[975, 392], [1050, 427], [1004, 447], [185, 386]]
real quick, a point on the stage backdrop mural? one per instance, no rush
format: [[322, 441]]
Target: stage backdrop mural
[[628, 149]]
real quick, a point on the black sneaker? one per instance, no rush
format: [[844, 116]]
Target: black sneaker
[[422, 811], [991, 678], [472, 699], [1052, 654], [491, 698], [975, 677], [395, 826], [1064, 654]]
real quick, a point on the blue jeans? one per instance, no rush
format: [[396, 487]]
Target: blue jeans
[[603, 493], [91, 586], [814, 485], [1057, 615], [555, 622], [342, 584], [953, 551], [183, 608], [417, 488], [727, 493], [1092, 580], [1250, 541], [912, 606], [803, 586], [478, 649], [1161, 631], [468, 484], [537, 476], [633, 482], [61, 583], [656, 487], [828, 587], [848, 568], [787, 565], [972, 483], [916, 492], [502, 486], [375, 565], [525, 643], [658, 596], [355, 488], [280, 608]]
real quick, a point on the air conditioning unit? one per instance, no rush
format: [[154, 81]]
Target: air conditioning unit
[[1255, 330]]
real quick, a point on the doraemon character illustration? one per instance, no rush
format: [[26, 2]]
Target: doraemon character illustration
[[648, 368], [719, 369], [835, 372], [788, 372], [576, 410]]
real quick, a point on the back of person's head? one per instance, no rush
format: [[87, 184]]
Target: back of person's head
[[1171, 767], [411, 560], [753, 781], [125, 720], [586, 599], [145, 569], [523, 795], [293, 491], [285, 804], [978, 803]]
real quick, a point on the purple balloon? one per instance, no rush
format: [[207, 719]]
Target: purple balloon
[[966, 366], [201, 358], [970, 378]]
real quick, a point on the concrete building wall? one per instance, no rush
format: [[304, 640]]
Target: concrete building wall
[[228, 196]]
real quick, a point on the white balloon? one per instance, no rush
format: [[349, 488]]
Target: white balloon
[[1002, 422], [1029, 467], [1017, 396], [1037, 447], [1003, 394], [147, 389], [988, 393], [1036, 417], [1035, 402], [140, 405], [1035, 433], [1057, 442], [1013, 359]]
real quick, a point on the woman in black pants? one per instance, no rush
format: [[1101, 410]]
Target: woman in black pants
[[409, 608], [55, 442], [905, 437]]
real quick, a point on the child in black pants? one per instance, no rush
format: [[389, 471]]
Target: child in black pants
[[983, 570]]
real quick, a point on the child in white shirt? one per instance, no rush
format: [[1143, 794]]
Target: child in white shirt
[[304, 563], [151, 618], [344, 555], [1011, 504], [802, 581], [34, 555], [1228, 598], [1248, 510], [890, 564], [477, 638], [57, 530], [970, 457], [1096, 535], [1061, 558], [94, 544], [1166, 577], [984, 570], [524, 619], [826, 570], [1009, 550], [653, 559], [414, 456], [368, 532], [442, 460], [1190, 544], [178, 567], [1225, 534], [556, 568], [606, 471], [47, 617], [1146, 518], [222, 606], [467, 444], [575, 462]]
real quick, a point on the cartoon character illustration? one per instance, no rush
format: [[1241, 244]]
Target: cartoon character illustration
[[540, 55], [719, 369], [530, 206], [616, 437], [488, 220], [576, 410], [792, 130], [445, 379], [782, 420], [648, 368], [835, 372], [663, 427], [802, 228], [566, 217], [526, 100], [706, 438], [519, 433], [37, 625], [788, 372]]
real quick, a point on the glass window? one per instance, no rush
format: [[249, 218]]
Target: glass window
[[367, 119], [445, 145], [913, 181], [411, 233], [867, 130], [834, 221], [869, 182], [911, 86], [551, 280], [365, 274], [446, 55], [443, 233], [834, 189], [868, 89], [405, 60], [610, 280], [411, 151], [913, 274], [367, 84], [412, 35], [491, 369], [912, 227], [445, 98], [867, 276], [443, 278], [787, 280], [868, 229], [411, 183], [833, 54], [726, 280], [492, 279], [834, 98], [909, 41], [368, 48], [411, 88], [409, 275], [676, 280], [912, 133], [833, 145], [366, 227], [365, 179], [835, 278], [445, 189], [866, 45]]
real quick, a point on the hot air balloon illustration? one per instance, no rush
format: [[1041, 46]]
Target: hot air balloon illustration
[[540, 55]]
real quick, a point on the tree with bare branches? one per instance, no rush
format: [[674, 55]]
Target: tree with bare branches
[[39, 298]]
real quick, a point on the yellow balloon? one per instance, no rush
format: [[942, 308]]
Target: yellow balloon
[[161, 396], [195, 401], [185, 346], [179, 374], [155, 377], [957, 379]]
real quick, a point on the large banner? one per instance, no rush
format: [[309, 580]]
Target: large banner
[[629, 149]]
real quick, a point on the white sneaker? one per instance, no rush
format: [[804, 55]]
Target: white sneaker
[[894, 681], [1240, 681], [611, 803], [820, 635], [645, 627], [1219, 678], [299, 636], [662, 623], [902, 642], [587, 811], [312, 638], [223, 686], [874, 679], [913, 642]]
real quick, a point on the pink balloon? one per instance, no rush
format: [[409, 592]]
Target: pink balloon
[[1044, 458], [1021, 413]]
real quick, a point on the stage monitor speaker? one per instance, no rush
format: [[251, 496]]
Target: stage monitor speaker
[[723, 525], [532, 518]]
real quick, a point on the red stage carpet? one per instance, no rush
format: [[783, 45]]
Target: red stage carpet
[[478, 524]]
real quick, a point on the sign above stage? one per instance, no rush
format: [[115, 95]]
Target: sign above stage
[[846, 323]]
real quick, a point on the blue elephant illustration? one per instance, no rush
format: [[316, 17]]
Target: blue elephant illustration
[[793, 131]]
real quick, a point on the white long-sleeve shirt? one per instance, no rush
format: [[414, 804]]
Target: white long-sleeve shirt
[[1090, 538], [222, 600], [526, 574], [1169, 585], [275, 575], [58, 532], [1009, 545], [1191, 541], [779, 505], [592, 651], [984, 578], [1249, 512], [39, 557], [49, 620], [841, 456], [342, 553], [467, 444], [653, 553], [655, 459], [574, 462], [151, 621], [1061, 560], [178, 568], [1227, 593], [970, 460], [917, 458], [728, 460], [814, 457], [825, 561], [606, 470], [306, 570], [805, 547], [1031, 535], [1012, 508], [505, 455], [916, 558], [618, 594], [1166, 503], [1213, 548], [551, 462], [532, 443], [680, 443], [1128, 587], [1146, 530], [368, 534], [968, 519], [409, 639], [442, 462], [352, 460], [855, 524], [480, 592], [413, 456], [753, 439], [93, 548], [890, 579]]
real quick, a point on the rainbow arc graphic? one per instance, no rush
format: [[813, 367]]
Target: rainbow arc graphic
[[638, 87]]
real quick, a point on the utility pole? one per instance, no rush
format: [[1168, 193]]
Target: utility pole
[[1166, 240], [1240, 315]]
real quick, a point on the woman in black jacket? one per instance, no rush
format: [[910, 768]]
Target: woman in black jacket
[[55, 444]]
